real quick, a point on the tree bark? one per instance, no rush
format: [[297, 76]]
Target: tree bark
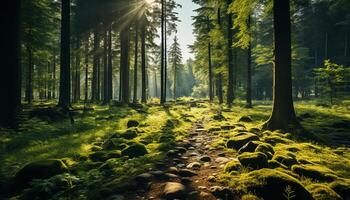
[[65, 90], [283, 115], [210, 74], [86, 69], [230, 86], [249, 70], [105, 65], [10, 77], [124, 64], [136, 51], [162, 77], [143, 63], [76, 82], [94, 84], [29, 84], [110, 65]]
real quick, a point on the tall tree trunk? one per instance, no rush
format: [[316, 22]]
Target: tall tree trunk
[[86, 70], [124, 64], [174, 81], [165, 53], [283, 115], [155, 84], [315, 81], [105, 65], [110, 65], [98, 97], [230, 85], [162, 77], [10, 77], [219, 88], [326, 47], [76, 82], [54, 77], [143, 62], [210, 74], [249, 70], [346, 46], [94, 83], [136, 51], [49, 80], [64, 100], [30, 71]]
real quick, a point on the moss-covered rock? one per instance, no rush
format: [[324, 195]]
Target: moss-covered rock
[[245, 119], [129, 134], [238, 141], [114, 144], [232, 166], [273, 164], [133, 123], [255, 160], [249, 147], [102, 156], [272, 184], [250, 197], [323, 192], [342, 188], [274, 139], [40, 170], [315, 172], [135, 150], [266, 149], [285, 159]]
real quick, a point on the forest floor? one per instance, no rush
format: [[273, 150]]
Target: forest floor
[[186, 150]]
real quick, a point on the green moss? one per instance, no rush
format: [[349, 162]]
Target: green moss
[[315, 172], [285, 159], [323, 192], [267, 149], [341, 187], [232, 166], [240, 140], [135, 150], [272, 164], [274, 139], [250, 197], [255, 160]]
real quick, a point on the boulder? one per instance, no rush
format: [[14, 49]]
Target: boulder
[[222, 192], [341, 187], [186, 173], [132, 123], [285, 159], [272, 184], [266, 149], [273, 164], [135, 150], [315, 172], [323, 192], [239, 141], [173, 190], [232, 166], [245, 119], [102, 156], [114, 144], [129, 134], [194, 165], [255, 160], [249, 147], [205, 159], [43, 169]]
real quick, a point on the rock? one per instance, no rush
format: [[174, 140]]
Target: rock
[[39, 170], [173, 190], [342, 188], [234, 165], [249, 147], [211, 179], [204, 195], [239, 141], [114, 144], [245, 119], [144, 178], [219, 117], [116, 197], [181, 150], [159, 175], [222, 160], [129, 134], [222, 154], [102, 156], [205, 159], [266, 149], [170, 176], [222, 192], [135, 150], [274, 139], [273, 164], [319, 173], [132, 123], [254, 160], [323, 192], [186, 173], [186, 181], [173, 170], [227, 127], [272, 184], [194, 165], [287, 159]]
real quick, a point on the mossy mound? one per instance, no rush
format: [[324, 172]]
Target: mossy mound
[[249, 147], [273, 164], [114, 144], [255, 160], [135, 150], [245, 119], [274, 139], [102, 156], [39, 170], [272, 184], [315, 172], [287, 159], [232, 166], [342, 188], [133, 123], [266, 149], [323, 192], [238, 141], [249, 197], [129, 134]]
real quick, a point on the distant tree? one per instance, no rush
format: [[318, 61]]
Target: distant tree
[[175, 58]]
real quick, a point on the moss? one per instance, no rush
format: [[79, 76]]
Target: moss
[[245, 119], [323, 192], [240, 140], [249, 147], [114, 144], [267, 149], [274, 139], [272, 164], [341, 187], [133, 123], [315, 172], [103, 156], [129, 134], [249, 197], [285, 159], [232, 166], [135, 150], [271, 184], [255, 160]]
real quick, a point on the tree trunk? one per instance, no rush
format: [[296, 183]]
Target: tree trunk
[[64, 100], [54, 77], [86, 69], [219, 89], [76, 82], [249, 70], [143, 63], [110, 65], [174, 81], [283, 115], [210, 74], [105, 65], [10, 77], [162, 100], [230, 85], [94, 83], [136, 60], [49, 80], [124, 64], [29, 85]]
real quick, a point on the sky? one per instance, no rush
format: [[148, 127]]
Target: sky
[[185, 30]]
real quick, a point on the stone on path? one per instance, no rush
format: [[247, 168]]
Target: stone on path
[[194, 165], [205, 159], [186, 173], [173, 190]]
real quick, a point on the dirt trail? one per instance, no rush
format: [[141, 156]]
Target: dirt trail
[[194, 164]]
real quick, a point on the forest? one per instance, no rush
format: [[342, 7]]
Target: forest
[[120, 100]]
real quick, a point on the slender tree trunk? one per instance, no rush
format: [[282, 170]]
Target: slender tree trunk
[[136, 60], [124, 64], [29, 85], [174, 81], [105, 65], [86, 69], [110, 65], [10, 77], [249, 70], [210, 74], [315, 82], [49, 80], [76, 82], [230, 92], [219, 88], [64, 100], [94, 84], [98, 98], [162, 77], [165, 54], [326, 47], [143, 62], [346, 45], [54, 77], [155, 84], [283, 115]]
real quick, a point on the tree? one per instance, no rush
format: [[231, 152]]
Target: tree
[[283, 115], [175, 58], [64, 98]]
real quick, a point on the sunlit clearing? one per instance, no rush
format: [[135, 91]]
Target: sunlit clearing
[[149, 1]]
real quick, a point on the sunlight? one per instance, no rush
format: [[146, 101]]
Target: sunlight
[[149, 1]]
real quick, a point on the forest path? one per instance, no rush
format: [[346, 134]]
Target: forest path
[[190, 171]]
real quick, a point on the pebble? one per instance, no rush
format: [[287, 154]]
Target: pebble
[[194, 165], [205, 159], [173, 190]]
